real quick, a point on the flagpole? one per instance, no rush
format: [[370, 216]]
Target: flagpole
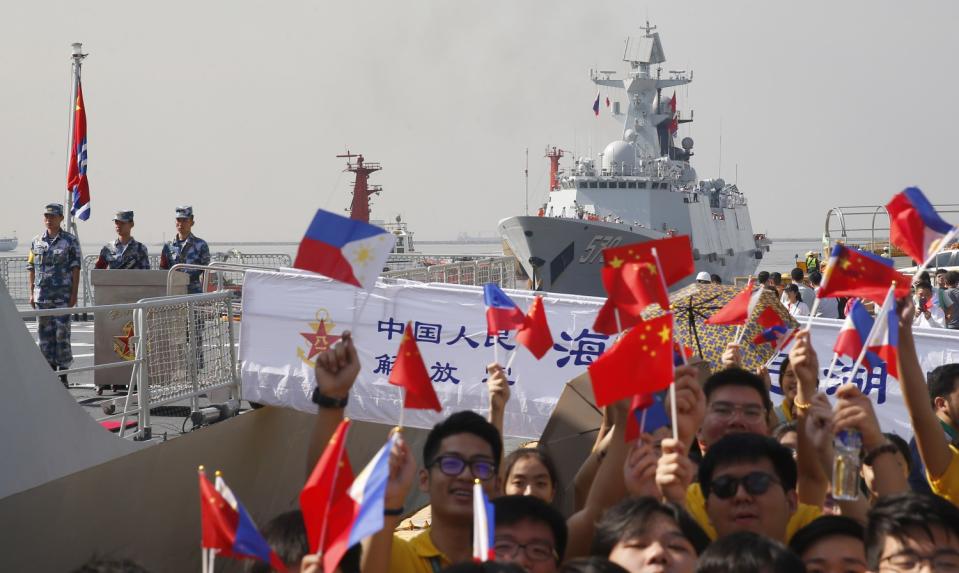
[[832, 365], [872, 331], [682, 352], [509, 362], [77, 58], [402, 406]]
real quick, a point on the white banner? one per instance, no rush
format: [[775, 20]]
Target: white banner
[[935, 346], [289, 317], [284, 314]]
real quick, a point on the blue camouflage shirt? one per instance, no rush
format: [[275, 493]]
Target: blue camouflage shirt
[[52, 260], [192, 250], [116, 255]]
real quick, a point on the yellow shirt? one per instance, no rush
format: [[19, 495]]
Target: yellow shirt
[[418, 555], [696, 506], [947, 485]]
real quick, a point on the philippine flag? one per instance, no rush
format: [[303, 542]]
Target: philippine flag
[[227, 527], [501, 312], [483, 523], [915, 227], [596, 106], [344, 249], [884, 338], [773, 327], [368, 492], [853, 334]]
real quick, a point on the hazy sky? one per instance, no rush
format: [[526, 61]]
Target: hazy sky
[[240, 107]]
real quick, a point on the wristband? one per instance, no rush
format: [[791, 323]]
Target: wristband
[[801, 406], [324, 401], [393, 512], [887, 448]]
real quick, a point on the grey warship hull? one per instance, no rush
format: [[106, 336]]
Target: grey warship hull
[[565, 255]]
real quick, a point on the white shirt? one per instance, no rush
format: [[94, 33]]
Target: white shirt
[[798, 309], [937, 317]]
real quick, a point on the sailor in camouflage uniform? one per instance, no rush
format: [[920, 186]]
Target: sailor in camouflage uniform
[[186, 248], [54, 267], [125, 252]]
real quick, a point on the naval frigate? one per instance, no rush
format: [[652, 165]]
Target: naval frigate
[[643, 188]]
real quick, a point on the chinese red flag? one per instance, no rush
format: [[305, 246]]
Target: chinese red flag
[[327, 485], [605, 322], [852, 272], [631, 276], [640, 363], [738, 309], [409, 372], [535, 334], [217, 519]]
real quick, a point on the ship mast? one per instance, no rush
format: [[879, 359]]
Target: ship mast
[[360, 207], [554, 156]]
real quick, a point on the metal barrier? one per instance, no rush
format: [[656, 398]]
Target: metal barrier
[[499, 270], [15, 278], [184, 348]]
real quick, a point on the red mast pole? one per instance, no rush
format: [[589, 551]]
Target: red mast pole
[[554, 155], [362, 191]]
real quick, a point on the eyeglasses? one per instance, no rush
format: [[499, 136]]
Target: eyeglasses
[[943, 561], [534, 550], [755, 483], [453, 465], [726, 410]]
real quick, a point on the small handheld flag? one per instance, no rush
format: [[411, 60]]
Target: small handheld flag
[[884, 338], [647, 414], [773, 327], [483, 524], [915, 226], [501, 312], [325, 501], [640, 363], [409, 373], [344, 249], [853, 334], [534, 334], [632, 277], [851, 272], [739, 308], [228, 528], [77, 182]]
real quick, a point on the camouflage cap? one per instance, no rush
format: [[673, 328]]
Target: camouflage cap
[[53, 209], [124, 216], [184, 212]]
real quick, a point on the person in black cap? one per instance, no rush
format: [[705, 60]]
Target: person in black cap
[[125, 252], [186, 248], [54, 267]]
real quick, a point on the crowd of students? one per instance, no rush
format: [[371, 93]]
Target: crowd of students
[[745, 486]]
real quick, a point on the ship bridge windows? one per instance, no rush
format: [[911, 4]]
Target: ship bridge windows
[[593, 185], [622, 185]]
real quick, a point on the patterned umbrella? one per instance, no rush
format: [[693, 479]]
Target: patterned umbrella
[[693, 304]]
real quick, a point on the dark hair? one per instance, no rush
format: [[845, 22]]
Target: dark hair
[[796, 275], [777, 278], [793, 288], [485, 567], [902, 446], [716, 279], [942, 381], [762, 277], [923, 284], [941, 272], [783, 429], [103, 565], [748, 447], [748, 552], [463, 422], [737, 377], [592, 564], [904, 515], [815, 277], [823, 527], [952, 278], [923, 277], [286, 535], [511, 509], [539, 455], [629, 519], [782, 370]]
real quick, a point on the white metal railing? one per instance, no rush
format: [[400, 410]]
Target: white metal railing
[[499, 270], [184, 348]]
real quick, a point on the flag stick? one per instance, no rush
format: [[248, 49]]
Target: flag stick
[[510, 361], [402, 406], [832, 365], [357, 313], [496, 348], [619, 323], [741, 333], [682, 353], [872, 332], [329, 501], [822, 284], [780, 344], [642, 422], [942, 245], [812, 313], [738, 328]]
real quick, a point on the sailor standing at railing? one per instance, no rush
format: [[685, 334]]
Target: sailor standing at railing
[[125, 252], [186, 248], [54, 267]]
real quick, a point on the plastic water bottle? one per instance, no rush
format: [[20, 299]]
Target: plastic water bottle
[[845, 466]]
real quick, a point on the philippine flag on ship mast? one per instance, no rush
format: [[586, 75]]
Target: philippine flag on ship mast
[[596, 105]]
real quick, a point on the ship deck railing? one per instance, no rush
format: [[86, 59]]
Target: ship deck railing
[[499, 270], [184, 350]]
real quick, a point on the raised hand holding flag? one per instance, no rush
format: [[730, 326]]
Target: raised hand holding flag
[[641, 362], [324, 499]]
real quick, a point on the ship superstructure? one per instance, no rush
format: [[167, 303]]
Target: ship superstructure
[[642, 187]]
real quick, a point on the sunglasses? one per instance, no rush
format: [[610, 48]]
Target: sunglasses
[[755, 483], [453, 466]]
